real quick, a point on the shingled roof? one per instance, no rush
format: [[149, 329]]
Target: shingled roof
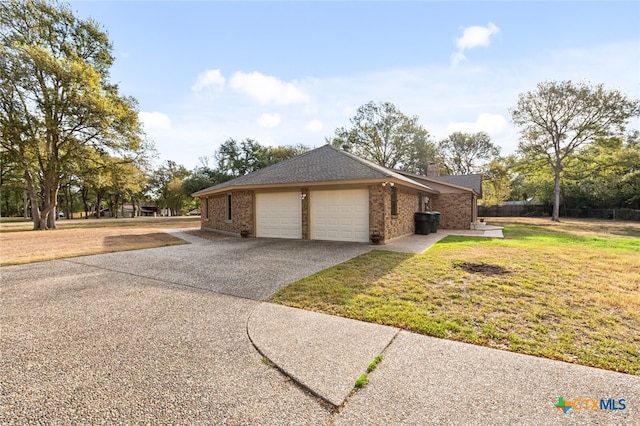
[[471, 182], [324, 164]]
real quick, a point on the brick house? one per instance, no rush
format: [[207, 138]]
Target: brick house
[[331, 194], [456, 199]]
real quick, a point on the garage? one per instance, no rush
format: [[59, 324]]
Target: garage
[[279, 215], [340, 215]]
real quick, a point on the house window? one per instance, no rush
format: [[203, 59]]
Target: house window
[[228, 206], [206, 208], [394, 201]]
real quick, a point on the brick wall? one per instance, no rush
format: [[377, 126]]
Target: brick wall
[[378, 197], [380, 218], [241, 212], [403, 223], [455, 210]]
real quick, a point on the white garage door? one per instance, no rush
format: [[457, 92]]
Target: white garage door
[[341, 215], [279, 215]]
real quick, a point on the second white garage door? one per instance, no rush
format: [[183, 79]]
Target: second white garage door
[[279, 215], [341, 215]]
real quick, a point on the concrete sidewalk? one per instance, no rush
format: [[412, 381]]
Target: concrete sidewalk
[[424, 380], [420, 243]]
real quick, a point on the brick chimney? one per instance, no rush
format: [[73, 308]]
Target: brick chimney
[[433, 170]]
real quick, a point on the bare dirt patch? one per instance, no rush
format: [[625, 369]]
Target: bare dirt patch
[[21, 247], [482, 268]]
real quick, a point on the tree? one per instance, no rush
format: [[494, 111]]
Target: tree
[[203, 177], [605, 174], [559, 117], [56, 100], [496, 186], [11, 189], [465, 153], [165, 183], [385, 136], [240, 158]]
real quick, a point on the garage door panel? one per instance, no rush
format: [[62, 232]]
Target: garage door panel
[[279, 215], [340, 215]]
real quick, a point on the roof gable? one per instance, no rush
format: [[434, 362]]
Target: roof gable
[[323, 164], [471, 182]]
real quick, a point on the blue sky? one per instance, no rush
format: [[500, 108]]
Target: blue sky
[[291, 72]]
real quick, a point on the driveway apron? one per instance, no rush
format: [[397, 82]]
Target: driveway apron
[[88, 345]]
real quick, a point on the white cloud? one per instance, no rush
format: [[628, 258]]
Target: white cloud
[[267, 89], [269, 121], [445, 100], [209, 79], [476, 36], [493, 124], [155, 120], [314, 126], [473, 37]]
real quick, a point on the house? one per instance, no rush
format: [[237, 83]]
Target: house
[[140, 208], [331, 194], [457, 198]]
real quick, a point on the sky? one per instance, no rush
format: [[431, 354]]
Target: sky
[[287, 73]]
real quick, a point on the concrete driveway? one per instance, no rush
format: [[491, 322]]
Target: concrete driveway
[[174, 335], [250, 268], [88, 345], [153, 336]]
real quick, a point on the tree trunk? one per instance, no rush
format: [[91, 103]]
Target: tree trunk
[[50, 203], [33, 198], [84, 193], [100, 195], [26, 204], [555, 215], [69, 202]]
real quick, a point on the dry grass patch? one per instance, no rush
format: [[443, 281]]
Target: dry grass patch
[[561, 293], [174, 222], [19, 247]]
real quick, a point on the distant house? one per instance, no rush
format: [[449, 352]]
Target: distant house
[[331, 194], [143, 208]]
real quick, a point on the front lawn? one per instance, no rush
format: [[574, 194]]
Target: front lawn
[[571, 294], [81, 237]]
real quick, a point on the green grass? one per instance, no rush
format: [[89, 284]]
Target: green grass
[[374, 364], [563, 295], [361, 381]]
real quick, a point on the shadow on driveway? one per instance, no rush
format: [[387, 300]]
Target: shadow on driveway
[[248, 268]]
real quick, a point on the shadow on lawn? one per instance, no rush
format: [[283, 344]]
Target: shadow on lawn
[[330, 287]]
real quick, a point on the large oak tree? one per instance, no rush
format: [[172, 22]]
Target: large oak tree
[[56, 99], [559, 117], [384, 135], [467, 153]]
